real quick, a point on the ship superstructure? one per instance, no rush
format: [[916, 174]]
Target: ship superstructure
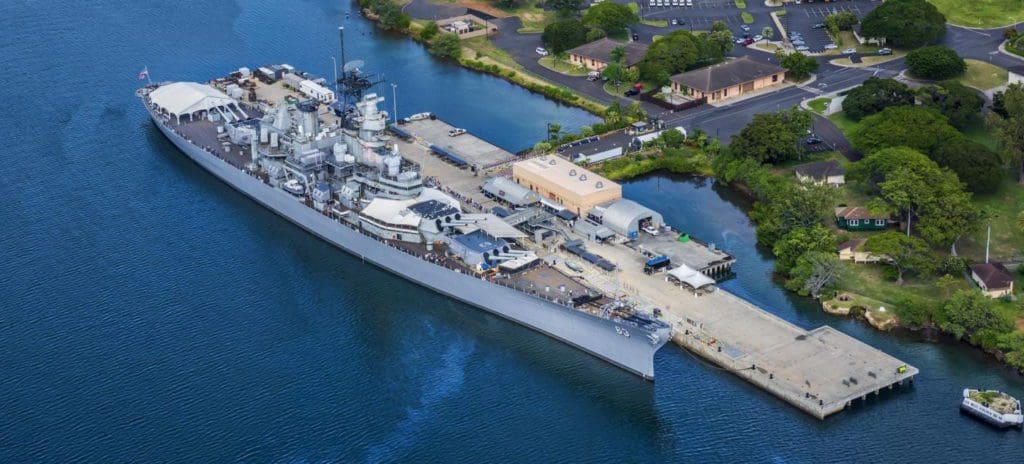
[[331, 166]]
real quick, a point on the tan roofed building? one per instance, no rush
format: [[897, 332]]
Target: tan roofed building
[[597, 54], [727, 80], [557, 179]]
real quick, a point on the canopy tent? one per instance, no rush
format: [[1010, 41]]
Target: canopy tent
[[186, 98], [691, 277]]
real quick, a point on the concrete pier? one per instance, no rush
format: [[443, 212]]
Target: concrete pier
[[820, 371]]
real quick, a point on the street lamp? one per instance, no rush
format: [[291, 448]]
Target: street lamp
[[988, 237], [335, 61]]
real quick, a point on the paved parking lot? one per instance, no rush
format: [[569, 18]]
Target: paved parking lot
[[703, 14], [802, 18]]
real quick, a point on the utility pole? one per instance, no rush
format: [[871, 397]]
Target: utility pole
[[335, 61]]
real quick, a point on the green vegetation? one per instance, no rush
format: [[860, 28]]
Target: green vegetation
[[612, 18], [984, 76], [905, 23], [428, 31], [389, 14], [447, 46], [566, 34], [984, 14], [741, 4], [559, 64], [685, 160], [875, 95], [797, 65], [773, 137], [819, 105], [655, 22], [1007, 123], [936, 62], [961, 105], [747, 18], [680, 51]]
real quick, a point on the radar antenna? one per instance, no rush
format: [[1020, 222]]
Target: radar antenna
[[352, 82]]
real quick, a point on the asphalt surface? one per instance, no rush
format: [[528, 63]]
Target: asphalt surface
[[802, 18]]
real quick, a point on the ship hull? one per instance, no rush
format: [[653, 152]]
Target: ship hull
[[628, 347]]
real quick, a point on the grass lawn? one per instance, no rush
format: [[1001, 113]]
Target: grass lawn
[[562, 66], [779, 13], [819, 105], [534, 18], [1007, 240], [844, 123], [979, 133], [879, 309], [741, 4], [482, 47], [981, 13], [747, 18], [655, 22], [983, 76]]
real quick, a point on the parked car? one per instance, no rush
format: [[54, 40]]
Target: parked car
[[818, 26], [802, 48], [739, 41], [849, 51], [745, 28], [675, 22], [636, 37], [812, 140], [542, 51], [757, 38], [593, 76], [797, 42], [631, 93], [831, 46], [651, 229], [885, 51], [748, 41], [455, 132], [689, 2]]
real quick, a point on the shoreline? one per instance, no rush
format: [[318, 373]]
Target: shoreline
[[928, 333], [532, 83]]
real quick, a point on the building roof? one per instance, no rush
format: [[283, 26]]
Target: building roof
[[491, 224], [820, 170], [181, 98], [601, 50], [508, 190], [854, 244], [691, 277], [560, 171], [622, 215], [479, 242], [727, 74], [858, 212], [409, 212], [993, 275]]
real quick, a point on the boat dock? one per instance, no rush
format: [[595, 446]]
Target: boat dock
[[820, 371]]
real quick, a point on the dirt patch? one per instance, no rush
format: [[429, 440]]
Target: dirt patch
[[1020, 325]]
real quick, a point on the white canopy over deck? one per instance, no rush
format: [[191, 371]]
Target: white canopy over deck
[[188, 98]]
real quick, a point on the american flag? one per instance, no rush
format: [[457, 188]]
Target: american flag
[[144, 74]]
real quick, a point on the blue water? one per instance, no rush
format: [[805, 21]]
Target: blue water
[[148, 313]]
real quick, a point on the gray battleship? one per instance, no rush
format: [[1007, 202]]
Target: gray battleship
[[328, 163]]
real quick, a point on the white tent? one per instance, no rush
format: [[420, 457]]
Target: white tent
[[186, 98], [691, 277]]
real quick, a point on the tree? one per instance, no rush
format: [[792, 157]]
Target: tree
[[610, 17], [873, 169], [1009, 130], [970, 311], [614, 72], [785, 207], [979, 168], [905, 23], [719, 26], [447, 46], [797, 65], [799, 241], [960, 104], [904, 253], [768, 32], [923, 129], [722, 39], [618, 54], [814, 273], [429, 31], [841, 21], [875, 95], [935, 62], [563, 35], [950, 214], [671, 54], [772, 137]]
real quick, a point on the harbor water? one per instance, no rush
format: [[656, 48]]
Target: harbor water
[[149, 313]]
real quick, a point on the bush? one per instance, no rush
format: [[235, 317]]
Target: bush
[[875, 95], [936, 62], [448, 46], [429, 31]]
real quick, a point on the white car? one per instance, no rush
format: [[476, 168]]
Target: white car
[[542, 51], [745, 28], [849, 51], [757, 38], [651, 229], [831, 46], [455, 132], [802, 48], [689, 2]]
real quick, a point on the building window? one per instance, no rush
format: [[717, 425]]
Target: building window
[[879, 222], [853, 222], [775, 77], [725, 93]]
